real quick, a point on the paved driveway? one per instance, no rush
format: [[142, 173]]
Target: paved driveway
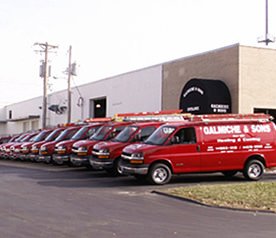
[[38, 200]]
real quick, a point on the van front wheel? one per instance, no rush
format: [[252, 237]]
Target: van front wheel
[[253, 170], [159, 174]]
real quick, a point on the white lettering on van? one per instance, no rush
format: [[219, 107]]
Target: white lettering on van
[[236, 129], [268, 146], [254, 139], [245, 129], [229, 140], [260, 128], [215, 130]]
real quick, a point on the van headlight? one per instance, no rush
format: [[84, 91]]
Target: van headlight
[[137, 158], [82, 150], [103, 154]]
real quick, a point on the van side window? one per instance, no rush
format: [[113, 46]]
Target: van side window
[[185, 136]]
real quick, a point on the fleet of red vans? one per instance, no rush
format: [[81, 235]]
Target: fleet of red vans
[[155, 146], [82, 150], [47, 150], [63, 149]]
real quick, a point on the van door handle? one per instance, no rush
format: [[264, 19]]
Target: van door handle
[[198, 148]]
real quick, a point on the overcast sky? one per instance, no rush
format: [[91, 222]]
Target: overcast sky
[[111, 37]]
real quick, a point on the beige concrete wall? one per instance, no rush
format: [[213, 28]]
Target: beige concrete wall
[[257, 78], [220, 64]]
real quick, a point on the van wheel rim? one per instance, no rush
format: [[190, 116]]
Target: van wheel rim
[[254, 171], [160, 175], [119, 169]]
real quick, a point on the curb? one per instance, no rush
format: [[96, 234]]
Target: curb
[[211, 206]]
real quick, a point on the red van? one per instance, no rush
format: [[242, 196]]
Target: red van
[[107, 154], [211, 143]]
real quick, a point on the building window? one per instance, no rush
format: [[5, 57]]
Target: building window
[[271, 112], [34, 125], [25, 126], [10, 114]]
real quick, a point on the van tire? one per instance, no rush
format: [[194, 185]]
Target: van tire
[[229, 173], [159, 174], [115, 171], [253, 170]]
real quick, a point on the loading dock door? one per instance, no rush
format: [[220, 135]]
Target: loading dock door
[[98, 107]]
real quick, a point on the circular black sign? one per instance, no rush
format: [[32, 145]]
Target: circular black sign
[[205, 96]]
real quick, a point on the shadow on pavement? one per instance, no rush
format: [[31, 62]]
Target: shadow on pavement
[[77, 177]]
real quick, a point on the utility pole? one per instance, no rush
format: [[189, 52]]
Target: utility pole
[[45, 49], [69, 86]]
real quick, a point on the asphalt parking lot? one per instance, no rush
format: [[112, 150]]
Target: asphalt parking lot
[[38, 200]]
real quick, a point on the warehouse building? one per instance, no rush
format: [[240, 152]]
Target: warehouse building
[[236, 78]]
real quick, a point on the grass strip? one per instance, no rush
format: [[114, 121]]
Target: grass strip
[[252, 195]]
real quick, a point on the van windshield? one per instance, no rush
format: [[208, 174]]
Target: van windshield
[[79, 134], [125, 134], [101, 133], [54, 134], [41, 136], [160, 136], [66, 134]]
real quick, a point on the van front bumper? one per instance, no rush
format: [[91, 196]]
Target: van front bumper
[[24, 157], [101, 163], [44, 158], [61, 159], [129, 169], [79, 160], [33, 157]]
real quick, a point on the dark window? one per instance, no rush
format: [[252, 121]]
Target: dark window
[[271, 112], [10, 114], [115, 132], [185, 136]]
